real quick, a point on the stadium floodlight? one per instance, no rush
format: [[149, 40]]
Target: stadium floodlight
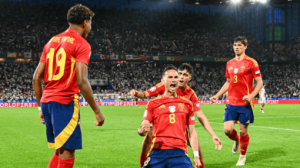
[[236, 1], [263, 1]]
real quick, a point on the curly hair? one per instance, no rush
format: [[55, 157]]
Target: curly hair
[[79, 13]]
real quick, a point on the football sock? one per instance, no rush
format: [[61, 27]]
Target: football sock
[[143, 158], [244, 144], [54, 160], [202, 164], [68, 163], [261, 109], [234, 136]]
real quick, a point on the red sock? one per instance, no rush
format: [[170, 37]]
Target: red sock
[[244, 144], [54, 160], [234, 136], [143, 158], [68, 163], [261, 109], [202, 164]]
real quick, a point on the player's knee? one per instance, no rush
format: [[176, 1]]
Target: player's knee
[[243, 132], [227, 131]]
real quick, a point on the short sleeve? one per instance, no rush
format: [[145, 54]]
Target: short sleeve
[[43, 57], [194, 100], [148, 114], [158, 89], [255, 69], [191, 117], [227, 73], [83, 54]]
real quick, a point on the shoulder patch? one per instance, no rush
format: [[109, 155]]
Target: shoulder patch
[[159, 84], [253, 60]]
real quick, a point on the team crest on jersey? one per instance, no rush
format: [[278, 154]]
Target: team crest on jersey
[[236, 70], [153, 89], [172, 109], [181, 106], [242, 67]]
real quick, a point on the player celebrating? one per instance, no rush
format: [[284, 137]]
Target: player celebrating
[[185, 72], [170, 115], [262, 98], [240, 73], [63, 66]]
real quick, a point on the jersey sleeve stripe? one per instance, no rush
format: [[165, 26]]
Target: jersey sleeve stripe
[[72, 68]]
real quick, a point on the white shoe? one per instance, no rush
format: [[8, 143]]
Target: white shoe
[[241, 161], [235, 147], [262, 111]]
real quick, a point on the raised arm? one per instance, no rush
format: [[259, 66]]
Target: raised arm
[[86, 91], [139, 94]]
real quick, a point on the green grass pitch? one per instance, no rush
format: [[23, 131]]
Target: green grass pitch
[[274, 138]]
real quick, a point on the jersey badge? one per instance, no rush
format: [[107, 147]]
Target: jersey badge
[[236, 70], [242, 68], [172, 109], [153, 89], [181, 106]]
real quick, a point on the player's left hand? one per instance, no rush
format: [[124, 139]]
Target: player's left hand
[[197, 162], [247, 98], [41, 117], [217, 142]]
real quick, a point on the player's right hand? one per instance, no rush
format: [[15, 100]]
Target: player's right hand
[[100, 119], [197, 162], [213, 99], [41, 117], [133, 92]]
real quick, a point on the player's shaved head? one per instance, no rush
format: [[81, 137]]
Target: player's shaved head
[[241, 39], [170, 67], [186, 66], [78, 14]]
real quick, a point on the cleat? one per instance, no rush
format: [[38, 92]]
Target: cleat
[[241, 161], [262, 111], [235, 147]]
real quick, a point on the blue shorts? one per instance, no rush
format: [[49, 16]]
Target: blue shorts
[[62, 125], [243, 114], [171, 158]]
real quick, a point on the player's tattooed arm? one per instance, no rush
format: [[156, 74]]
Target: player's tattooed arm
[[144, 128], [139, 94], [221, 91]]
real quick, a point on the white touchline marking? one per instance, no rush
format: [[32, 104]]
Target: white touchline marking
[[262, 117], [265, 127]]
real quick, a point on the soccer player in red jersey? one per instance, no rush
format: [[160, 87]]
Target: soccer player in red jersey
[[170, 114], [63, 66], [185, 72], [240, 73]]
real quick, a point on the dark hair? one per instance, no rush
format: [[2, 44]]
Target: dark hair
[[186, 66], [78, 14], [170, 67], [241, 39]]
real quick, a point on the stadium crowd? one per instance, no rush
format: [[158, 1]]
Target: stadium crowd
[[282, 80]]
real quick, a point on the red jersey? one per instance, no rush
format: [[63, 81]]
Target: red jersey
[[241, 75], [170, 117], [187, 92], [60, 55]]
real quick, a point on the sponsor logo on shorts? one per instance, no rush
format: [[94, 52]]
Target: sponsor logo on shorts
[[248, 122]]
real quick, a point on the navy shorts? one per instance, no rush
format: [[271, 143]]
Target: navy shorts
[[171, 158], [243, 114], [62, 125]]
